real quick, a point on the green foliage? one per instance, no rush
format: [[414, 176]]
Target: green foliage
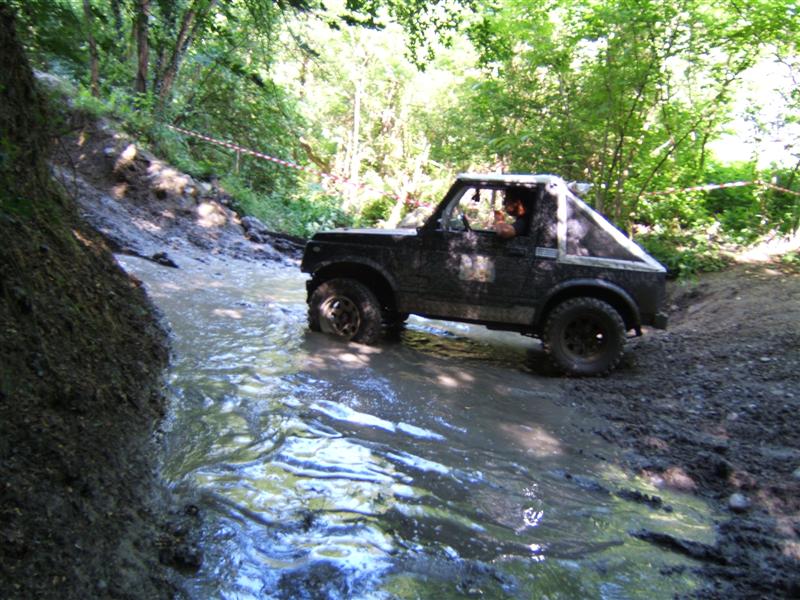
[[424, 21], [781, 207], [625, 94], [684, 253], [300, 216], [376, 211], [739, 210], [84, 102], [792, 259], [49, 30]]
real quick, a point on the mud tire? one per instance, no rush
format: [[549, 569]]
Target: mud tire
[[347, 309], [585, 337]]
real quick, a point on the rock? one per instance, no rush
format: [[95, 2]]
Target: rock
[[254, 225], [692, 549], [22, 299], [796, 474], [647, 499], [713, 463], [780, 453], [415, 218], [717, 443], [163, 259], [182, 556], [256, 238], [677, 479], [739, 502]]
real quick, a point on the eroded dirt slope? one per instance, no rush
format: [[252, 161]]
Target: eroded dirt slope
[[81, 362]]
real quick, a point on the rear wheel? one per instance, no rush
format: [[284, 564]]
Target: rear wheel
[[347, 309], [585, 336]]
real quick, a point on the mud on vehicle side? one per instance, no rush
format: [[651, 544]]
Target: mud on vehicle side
[[571, 278]]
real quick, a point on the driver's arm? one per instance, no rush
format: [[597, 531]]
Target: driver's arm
[[503, 229]]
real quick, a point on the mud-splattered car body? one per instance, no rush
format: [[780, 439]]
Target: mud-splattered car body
[[572, 278]]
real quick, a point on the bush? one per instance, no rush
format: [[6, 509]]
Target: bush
[[375, 211], [302, 215], [685, 253]]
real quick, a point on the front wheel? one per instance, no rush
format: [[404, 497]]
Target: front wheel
[[585, 336], [347, 309]]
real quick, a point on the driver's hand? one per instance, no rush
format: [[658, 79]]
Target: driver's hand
[[499, 217]]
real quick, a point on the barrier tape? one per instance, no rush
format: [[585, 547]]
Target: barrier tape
[[720, 186], [361, 186], [779, 188], [284, 163]]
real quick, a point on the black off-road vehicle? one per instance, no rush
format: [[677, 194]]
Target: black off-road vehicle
[[571, 278]]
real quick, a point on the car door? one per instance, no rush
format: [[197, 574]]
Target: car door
[[470, 272], [546, 270]]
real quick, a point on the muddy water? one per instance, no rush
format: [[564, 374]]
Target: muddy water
[[438, 465]]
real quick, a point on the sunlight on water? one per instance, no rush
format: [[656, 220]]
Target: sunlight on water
[[438, 466]]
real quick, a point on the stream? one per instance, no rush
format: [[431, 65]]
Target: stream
[[437, 465]]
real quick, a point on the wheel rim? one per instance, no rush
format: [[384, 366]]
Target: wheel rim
[[339, 315], [586, 338]]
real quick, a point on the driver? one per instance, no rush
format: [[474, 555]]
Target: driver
[[515, 205]]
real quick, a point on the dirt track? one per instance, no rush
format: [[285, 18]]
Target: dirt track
[[708, 406], [711, 406]]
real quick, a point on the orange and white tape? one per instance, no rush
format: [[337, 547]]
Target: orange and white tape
[[344, 181], [282, 162], [720, 186]]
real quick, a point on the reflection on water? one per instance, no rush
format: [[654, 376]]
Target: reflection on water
[[436, 466]]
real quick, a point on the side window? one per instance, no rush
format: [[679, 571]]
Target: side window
[[546, 222], [476, 206], [591, 237]]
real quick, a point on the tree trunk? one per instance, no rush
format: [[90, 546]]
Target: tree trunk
[[186, 35], [796, 208], [315, 158], [143, 45], [94, 60], [116, 11], [355, 148]]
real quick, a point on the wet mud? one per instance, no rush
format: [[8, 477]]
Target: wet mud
[[441, 463]]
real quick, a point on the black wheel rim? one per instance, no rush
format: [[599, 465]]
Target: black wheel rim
[[586, 338], [340, 316]]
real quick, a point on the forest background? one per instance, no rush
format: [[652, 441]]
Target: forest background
[[393, 97]]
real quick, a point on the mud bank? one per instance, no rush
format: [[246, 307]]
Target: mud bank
[[81, 363]]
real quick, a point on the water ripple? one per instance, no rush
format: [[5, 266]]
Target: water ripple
[[436, 467]]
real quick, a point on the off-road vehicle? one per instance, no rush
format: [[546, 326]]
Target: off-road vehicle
[[571, 278]]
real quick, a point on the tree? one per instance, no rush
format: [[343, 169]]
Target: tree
[[142, 45], [625, 94]]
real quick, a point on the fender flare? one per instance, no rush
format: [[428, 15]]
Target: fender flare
[[348, 266], [604, 290]]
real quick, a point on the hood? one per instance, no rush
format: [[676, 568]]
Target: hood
[[349, 233]]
